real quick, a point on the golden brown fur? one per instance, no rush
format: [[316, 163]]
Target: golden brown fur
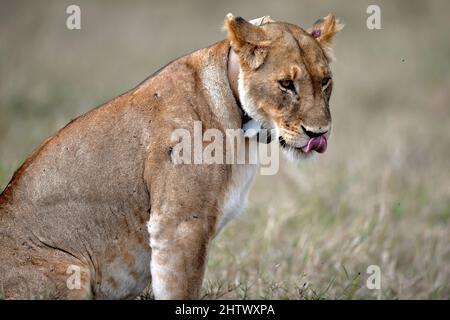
[[103, 193]]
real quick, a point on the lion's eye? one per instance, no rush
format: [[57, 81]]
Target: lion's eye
[[326, 82], [287, 85]]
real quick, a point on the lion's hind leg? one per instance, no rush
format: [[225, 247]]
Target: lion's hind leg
[[39, 278]]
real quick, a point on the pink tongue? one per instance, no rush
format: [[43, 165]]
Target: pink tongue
[[318, 144]]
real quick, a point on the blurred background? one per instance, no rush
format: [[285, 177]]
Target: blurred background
[[379, 196]]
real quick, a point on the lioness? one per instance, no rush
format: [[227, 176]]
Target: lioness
[[103, 203]]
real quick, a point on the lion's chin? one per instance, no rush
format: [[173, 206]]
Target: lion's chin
[[296, 155]]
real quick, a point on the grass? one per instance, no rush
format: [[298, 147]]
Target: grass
[[379, 196]]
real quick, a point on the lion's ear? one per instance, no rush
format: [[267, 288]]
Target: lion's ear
[[249, 41], [324, 30]]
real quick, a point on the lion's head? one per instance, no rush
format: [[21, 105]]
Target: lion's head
[[285, 80]]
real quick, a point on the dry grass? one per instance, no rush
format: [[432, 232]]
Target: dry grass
[[380, 195]]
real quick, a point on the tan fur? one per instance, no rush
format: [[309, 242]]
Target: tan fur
[[328, 27], [103, 193], [293, 54]]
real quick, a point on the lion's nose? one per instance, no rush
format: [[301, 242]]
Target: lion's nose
[[314, 132]]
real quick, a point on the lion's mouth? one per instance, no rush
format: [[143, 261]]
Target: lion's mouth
[[318, 144]]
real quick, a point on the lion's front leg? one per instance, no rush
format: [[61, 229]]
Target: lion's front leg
[[179, 245], [185, 202]]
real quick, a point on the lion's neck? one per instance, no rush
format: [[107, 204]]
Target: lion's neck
[[222, 95], [233, 69], [212, 68]]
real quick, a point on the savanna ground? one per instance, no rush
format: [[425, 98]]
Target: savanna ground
[[379, 196]]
